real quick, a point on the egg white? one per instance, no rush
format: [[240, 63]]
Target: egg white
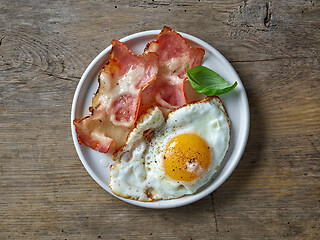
[[139, 173]]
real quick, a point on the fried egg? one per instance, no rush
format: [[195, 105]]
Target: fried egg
[[166, 159]]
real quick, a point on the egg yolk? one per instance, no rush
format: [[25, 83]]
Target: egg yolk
[[186, 157]]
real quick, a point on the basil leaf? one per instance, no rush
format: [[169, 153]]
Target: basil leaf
[[208, 82]]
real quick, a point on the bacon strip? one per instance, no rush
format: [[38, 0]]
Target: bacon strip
[[167, 91], [115, 105]]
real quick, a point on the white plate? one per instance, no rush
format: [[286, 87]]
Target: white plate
[[236, 104]]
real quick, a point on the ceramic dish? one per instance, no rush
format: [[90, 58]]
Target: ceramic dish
[[236, 104]]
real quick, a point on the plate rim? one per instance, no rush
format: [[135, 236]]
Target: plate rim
[[173, 203]]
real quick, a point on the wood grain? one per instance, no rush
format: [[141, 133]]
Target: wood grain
[[45, 192]]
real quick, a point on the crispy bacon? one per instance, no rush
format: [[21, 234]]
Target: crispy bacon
[[115, 105], [167, 91]]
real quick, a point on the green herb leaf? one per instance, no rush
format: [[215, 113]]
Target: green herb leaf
[[208, 82]]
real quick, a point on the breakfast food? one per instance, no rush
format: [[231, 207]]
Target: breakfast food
[[124, 94], [168, 91], [115, 105], [165, 159], [164, 146]]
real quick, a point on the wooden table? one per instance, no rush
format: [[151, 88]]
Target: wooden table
[[45, 192]]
